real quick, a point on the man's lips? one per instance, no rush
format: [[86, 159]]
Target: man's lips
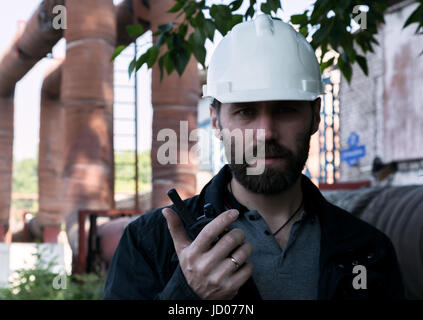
[[270, 160]]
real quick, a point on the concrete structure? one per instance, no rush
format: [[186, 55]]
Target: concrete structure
[[384, 109]]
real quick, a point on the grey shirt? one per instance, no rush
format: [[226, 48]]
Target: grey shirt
[[292, 273]]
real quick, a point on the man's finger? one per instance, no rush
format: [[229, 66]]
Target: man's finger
[[176, 229], [241, 275], [213, 229]]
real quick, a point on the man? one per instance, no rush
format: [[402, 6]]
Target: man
[[273, 236]]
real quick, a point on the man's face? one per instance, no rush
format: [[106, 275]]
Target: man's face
[[288, 126]]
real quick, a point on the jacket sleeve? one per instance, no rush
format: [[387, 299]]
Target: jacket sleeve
[[133, 276], [395, 287]]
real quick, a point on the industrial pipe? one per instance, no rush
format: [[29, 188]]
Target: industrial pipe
[[26, 50], [87, 95], [175, 99]]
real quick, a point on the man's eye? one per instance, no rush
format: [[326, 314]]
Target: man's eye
[[246, 112]]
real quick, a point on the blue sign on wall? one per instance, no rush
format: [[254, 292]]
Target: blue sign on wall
[[354, 152]]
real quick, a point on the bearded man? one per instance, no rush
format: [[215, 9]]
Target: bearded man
[[272, 234]]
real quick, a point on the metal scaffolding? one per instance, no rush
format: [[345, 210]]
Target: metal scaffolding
[[126, 96], [329, 139]]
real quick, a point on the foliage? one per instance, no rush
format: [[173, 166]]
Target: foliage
[[333, 23], [38, 284], [25, 179], [204, 20], [25, 176], [329, 24], [125, 171]]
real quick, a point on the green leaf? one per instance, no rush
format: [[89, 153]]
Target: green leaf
[[274, 5], [209, 29], [347, 45], [304, 31], [235, 5], [161, 39], [321, 8], [163, 28], [250, 12], [337, 32], [183, 29], [362, 62], [176, 41], [301, 19], [163, 33], [117, 52], [196, 40], [135, 31], [169, 66], [141, 60], [131, 67], [341, 6], [152, 56], [326, 64], [177, 6], [189, 8], [236, 18], [223, 17], [265, 8], [345, 67], [161, 60], [180, 59], [414, 17], [198, 20], [321, 34]]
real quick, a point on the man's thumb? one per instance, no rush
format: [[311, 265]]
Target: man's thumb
[[176, 229]]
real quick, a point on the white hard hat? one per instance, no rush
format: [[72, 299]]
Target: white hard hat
[[262, 60]]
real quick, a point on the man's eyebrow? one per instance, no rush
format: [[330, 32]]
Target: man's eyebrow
[[284, 104], [243, 105]]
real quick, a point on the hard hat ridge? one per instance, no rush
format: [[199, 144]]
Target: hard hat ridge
[[264, 25]]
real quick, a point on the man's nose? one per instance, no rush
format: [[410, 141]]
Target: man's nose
[[268, 124]]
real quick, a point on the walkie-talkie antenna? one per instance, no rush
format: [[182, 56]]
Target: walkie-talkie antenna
[[186, 217]]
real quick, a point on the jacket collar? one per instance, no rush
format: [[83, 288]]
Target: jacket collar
[[214, 190], [337, 236]]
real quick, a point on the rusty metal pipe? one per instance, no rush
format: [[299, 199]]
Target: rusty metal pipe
[[174, 99], [28, 47], [50, 155], [87, 95]]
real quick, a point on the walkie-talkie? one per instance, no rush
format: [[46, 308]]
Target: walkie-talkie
[[194, 225]]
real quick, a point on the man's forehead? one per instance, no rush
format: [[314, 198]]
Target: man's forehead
[[287, 103]]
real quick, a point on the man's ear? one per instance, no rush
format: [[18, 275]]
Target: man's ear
[[316, 114], [214, 119]]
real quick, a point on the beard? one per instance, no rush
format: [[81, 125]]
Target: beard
[[275, 179]]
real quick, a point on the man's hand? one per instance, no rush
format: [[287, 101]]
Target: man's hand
[[208, 269]]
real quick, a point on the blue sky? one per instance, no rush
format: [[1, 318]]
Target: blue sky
[[27, 93]]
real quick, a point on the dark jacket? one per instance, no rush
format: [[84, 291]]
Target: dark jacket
[[145, 265]]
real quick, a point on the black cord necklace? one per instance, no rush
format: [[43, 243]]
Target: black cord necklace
[[287, 221], [290, 218]]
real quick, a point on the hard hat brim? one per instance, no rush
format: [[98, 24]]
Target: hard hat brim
[[265, 95]]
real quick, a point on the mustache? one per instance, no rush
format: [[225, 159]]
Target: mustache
[[274, 150]]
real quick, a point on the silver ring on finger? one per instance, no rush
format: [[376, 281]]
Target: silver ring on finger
[[236, 263]]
